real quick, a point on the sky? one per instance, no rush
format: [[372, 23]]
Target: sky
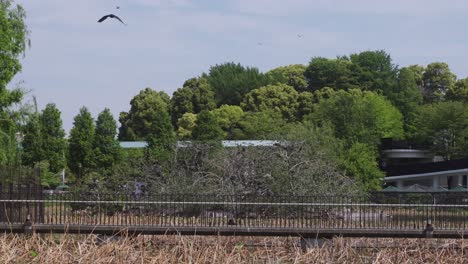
[[74, 61]]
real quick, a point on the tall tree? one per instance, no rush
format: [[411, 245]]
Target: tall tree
[[32, 142], [374, 71], [162, 139], [418, 72], [260, 125], [280, 97], [334, 73], [13, 39], [444, 126], [195, 96], [360, 161], [360, 116], [437, 79], [231, 81], [53, 138], [203, 95], [80, 149], [406, 95], [292, 75], [228, 117], [207, 127], [186, 124], [145, 107], [306, 102], [106, 147], [181, 103], [459, 92], [13, 43]]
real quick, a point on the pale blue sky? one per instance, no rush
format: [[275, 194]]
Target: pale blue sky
[[74, 61]]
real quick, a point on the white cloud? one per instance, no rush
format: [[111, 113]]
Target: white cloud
[[162, 3], [75, 61], [398, 7]]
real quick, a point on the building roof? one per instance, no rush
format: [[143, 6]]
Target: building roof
[[415, 188], [225, 143], [424, 168], [133, 144]]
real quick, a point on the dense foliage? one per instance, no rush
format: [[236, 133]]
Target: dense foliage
[[332, 111], [13, 43]]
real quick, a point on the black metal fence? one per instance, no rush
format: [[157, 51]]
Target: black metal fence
[[378, 212], [17, 183]]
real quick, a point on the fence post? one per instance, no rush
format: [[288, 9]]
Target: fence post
[[27, 226], [429, 230]]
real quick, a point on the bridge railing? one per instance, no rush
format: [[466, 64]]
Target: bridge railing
[[293, 212]]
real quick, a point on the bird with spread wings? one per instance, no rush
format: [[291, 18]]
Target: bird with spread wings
[[111, 16]]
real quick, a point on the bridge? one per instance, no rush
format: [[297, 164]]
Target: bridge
[[383, 215]]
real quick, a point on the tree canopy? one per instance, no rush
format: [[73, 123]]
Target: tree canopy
[[459, 91], [444, 126], [292, 75], [280, 97], [437, 80], [13, 43], [360, 116], [231, 81], [81, 144], [335, 73], [13, 39], [145, 107], [107, 150]]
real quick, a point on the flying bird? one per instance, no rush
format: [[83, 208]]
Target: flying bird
[[111, 16], [299, 35]]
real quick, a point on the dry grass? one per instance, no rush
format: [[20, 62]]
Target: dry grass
[[174, 249]]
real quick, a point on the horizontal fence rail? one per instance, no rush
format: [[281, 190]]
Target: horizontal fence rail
[[402, 215]]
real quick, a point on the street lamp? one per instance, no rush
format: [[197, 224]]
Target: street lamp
[[19, 139]]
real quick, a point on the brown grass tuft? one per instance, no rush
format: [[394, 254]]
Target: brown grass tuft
[[175, 249]]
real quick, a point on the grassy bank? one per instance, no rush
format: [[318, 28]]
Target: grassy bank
[[173, 249]]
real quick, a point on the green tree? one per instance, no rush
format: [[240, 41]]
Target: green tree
[[80, 149], [203, 94], [207, 127], [162, 139], [280, 97], [443, 125], [195, 96], [260, 125], [374, 71], [186, 125], [231, 81], [13, 39], [406, 95], [181, 103], [145, 107], [360, 116], [459, 92], [292, 75], [418, 72], [53, 138], [107, 150], [44, 140], [334, 73], [228, 117], [360, 161], [437, 79], [32, 142], [13, 43], [306, 103]]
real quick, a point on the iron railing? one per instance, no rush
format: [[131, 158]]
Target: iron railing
[[210, 211]]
